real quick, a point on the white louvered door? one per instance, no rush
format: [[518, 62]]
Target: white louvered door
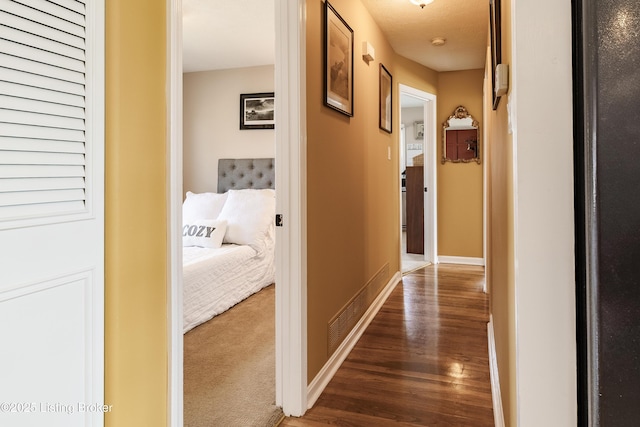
[[52, 213]]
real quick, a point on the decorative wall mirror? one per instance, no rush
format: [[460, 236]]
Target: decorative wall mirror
[[460, 138]]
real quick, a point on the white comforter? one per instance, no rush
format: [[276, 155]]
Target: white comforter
[[217, 279]]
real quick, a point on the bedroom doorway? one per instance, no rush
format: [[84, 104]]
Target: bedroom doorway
[[418, 178], [291, 380]]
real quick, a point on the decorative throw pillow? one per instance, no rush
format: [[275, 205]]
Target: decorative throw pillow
[[202, 205], [249, 214], [206, 233]]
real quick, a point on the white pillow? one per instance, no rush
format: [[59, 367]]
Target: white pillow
[[206, 233], [202, 205], [249, 214]]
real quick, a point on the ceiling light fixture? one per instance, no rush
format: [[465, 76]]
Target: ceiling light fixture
[[421, 3]]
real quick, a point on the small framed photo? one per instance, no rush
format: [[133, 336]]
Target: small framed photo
[[386, 90], [257, 110], [338, 62], [418, 129]]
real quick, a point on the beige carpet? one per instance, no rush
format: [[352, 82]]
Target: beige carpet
[[229, 367]]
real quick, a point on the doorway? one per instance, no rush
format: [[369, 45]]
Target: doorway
[[417, 167], [291, 367]]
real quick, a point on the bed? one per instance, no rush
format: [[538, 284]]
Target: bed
[[228, 239]]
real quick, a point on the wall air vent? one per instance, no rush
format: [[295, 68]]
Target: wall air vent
[[343, 322]]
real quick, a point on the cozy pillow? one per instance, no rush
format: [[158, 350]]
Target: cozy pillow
[[206, 233], [202, 205], [249, 214]]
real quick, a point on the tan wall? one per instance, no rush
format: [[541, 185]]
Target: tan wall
[[135, 219], [412, 74], [352, 187], [459, 184], [500, 260], [211, 122]]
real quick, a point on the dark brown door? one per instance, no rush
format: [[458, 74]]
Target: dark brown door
[[415, 209]]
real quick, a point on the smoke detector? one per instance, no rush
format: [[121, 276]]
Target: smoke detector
[[438, 41]]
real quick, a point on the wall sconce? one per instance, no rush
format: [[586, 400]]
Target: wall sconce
[[421, 3], [368, 52]]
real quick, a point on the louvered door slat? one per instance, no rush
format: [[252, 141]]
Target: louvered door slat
[[38, 158], [61, 13], [35, 184], [39, 132], [36, 41], [39, 81], [41, 120], [42, 107], [46, 19], [75, 5], [29, 26], [44, 145], [28, 92], [33, 54], [40, 171]]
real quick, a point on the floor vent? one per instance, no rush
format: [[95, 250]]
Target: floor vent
[[344, 321]]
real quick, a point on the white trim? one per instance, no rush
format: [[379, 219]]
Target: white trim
[[460, 260], [174, 214], [487, 97], [291, 250], [498, 412], [329, 369], [430, 176]]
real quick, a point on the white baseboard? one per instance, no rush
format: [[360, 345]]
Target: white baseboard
[[329, 369], [498, 414], [460, 260]]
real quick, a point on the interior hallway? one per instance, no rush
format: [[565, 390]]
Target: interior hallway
[[423, 360]]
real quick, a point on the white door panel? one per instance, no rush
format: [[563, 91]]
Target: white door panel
[[51, 214], [47, 353], [40, 253]]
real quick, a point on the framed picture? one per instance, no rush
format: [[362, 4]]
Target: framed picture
[[386, 88], [496, 45], [257, 110], [338, 62], [418, 129]]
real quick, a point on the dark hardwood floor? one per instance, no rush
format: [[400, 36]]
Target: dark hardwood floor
[[423, 361]]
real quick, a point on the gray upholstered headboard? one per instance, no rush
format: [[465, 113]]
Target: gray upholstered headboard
[[246, 173]]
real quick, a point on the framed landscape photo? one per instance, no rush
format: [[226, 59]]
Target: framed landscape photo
[[338, 62], [257, 110], [386, 89]]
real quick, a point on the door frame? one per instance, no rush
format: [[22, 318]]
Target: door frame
[[174, 214], [290, 129], [430, 176]]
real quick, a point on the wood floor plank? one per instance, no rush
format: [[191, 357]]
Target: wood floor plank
[[423, 360]]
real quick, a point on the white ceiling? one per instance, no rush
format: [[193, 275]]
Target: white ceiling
[[222, 34]]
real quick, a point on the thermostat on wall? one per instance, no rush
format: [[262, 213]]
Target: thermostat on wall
[[502, 79]]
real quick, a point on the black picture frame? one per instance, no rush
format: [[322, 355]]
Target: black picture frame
[[337, 62], [386, 100], [257, 110], [496, 45]]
